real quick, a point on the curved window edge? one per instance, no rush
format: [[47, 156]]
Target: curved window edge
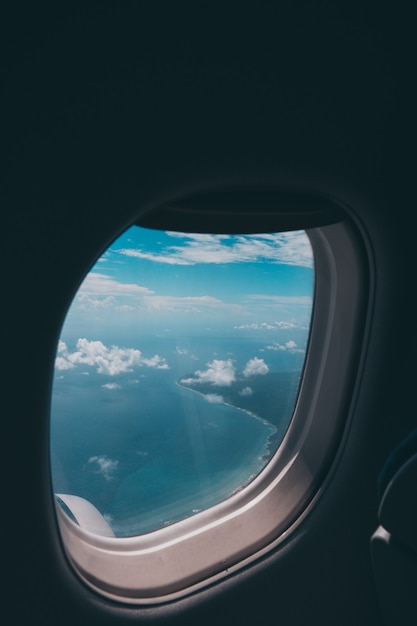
[[175, 561]]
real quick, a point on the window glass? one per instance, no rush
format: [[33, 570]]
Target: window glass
[[177, 372]]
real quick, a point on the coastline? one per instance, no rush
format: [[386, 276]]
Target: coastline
[[233, 406], [271, 443]]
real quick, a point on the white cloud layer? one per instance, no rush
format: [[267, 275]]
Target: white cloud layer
[[100, 291], [266, 326], [263, 298], [96, 284], [181, 304], [256, 326], [291, 248], [110, 361]]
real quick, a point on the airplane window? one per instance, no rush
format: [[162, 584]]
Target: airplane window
[[177, 374], [201, 391]]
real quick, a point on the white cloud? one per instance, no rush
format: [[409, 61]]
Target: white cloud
[[105, 466], [291, 248], [288, 346], [277, 347], [220, 373], [255, 366], [256, 326], [61, 363], [186, 304], [148, 256], [101, 291], [157, 362], [280, 300], [214, 398], [96, 284], [266, 326], [285, 325], [111, 386], [110, 361], [85, 301]]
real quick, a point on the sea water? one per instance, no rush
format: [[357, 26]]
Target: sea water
[[148, 451]]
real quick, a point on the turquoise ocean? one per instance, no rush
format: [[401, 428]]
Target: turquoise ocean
[[148, 451]]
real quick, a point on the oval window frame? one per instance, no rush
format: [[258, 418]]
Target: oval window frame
[[174, 561]]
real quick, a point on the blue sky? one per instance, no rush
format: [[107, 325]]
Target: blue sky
[[152, 284], [162, 281]]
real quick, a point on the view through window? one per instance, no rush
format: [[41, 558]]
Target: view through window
[[177, 371]]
